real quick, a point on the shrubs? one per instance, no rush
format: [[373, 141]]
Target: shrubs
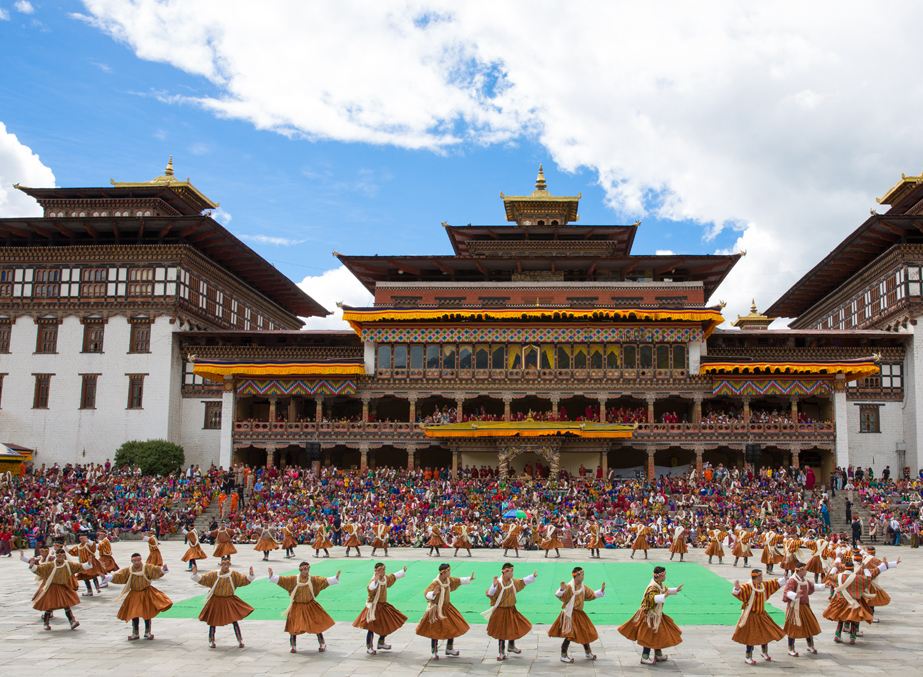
[[154, 457]]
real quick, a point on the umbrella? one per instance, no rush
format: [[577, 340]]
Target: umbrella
[[509, 514]]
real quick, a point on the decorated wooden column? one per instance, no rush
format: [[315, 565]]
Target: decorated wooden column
[[411, 450], [554, 405], [365, 408], [699, 461], [747, 410], [651, 472], [796, 451], [507, 402], [413, 408], [319, 409], [795, 410], [697, 409], [291, 410], [602, 407], [459, 408], [364, 457], [270, 456], [455, 464], [604, 462], [651, 398], [272, 409]]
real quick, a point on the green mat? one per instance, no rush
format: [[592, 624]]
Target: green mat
[[704, 600]]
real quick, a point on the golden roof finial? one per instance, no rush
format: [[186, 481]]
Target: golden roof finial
[[753, 306], [540, 181], [169, 170]]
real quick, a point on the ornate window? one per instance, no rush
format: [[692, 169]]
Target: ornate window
[[47, 341], [140, 281], [93, 282], [869, 420], [135, 391], [47, 284], [93, 337], [212, 416], [88, 391], [42, 387], [140, 341]]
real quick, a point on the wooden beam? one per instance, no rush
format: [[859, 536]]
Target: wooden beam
[[668, 267], [406, 268], [166, 229], [589, 234], [894, 228], [115, 230], [66, 232], [480, 266], [87, 227], [189, 230], [448, 270], [40, 231], [17, 231]]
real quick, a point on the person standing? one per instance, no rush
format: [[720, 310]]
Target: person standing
[[222, 538], [714, 545], [848, 511], [222, 606], [856, 527], [511, 538], [266, 543], [572, 624], [435, 540], [755, 625], [104, 550], [552, 540], [742, 546], [85, 551], [55, 591], [382, 531], [153, 545], [379, 617], [650, 627], [640, 543], [462, 540], [304, 615], [800, 622], [678, 546], [504, 622], [194, 552], [595, 542], [321, 542], [441, 620], [352, 537], [289, 541], [139, 598]]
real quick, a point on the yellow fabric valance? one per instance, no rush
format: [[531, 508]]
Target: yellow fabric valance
[[216, 370], [528, 429], [851, 369]]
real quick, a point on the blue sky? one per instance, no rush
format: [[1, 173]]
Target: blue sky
[[311, 149]]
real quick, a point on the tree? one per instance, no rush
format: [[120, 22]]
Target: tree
[[154, 457]]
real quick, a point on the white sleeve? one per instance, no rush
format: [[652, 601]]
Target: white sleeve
[[251, 578], [672, 591], [185, 532], [558, 593], [431, 595], [659, 599], [33, 568], [88, 565], [332, 580], [400, 573], [600, 593], [373, 585], [196, 577], [529, 579], [492, 590], [791, 594], [107, 578], [465, 581], [274, 578], [23, 558]]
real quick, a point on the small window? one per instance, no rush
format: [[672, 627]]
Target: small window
[[400, 356], [416, 357], [464, 357], [530, 357], [663, 356], [481, 357], [42, 386], [140, 282], [6, 282], [869, 420], [432, 357], [596, 356], [515, 356], [547, 356], [630, 356], [135, 391], [679, 356], [212, 416], [47, 284], [448, 356], [140, 337], [647, 356], [47, 337], [93, 337], [563, 357], [93, 282], [6, 329], [88, 391], [580, 360], [498, 356], [612, 356], [384, 357]]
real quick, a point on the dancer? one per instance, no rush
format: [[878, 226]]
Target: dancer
[[266, 543], [104, 550], [817, 565], [435, 540], [678, 546], [650, 627], [511, 539], [441, 620], [352, 537], [552, 540], [289, 542], [742, 546], [852, 588], [195, 551], [85, 551], [462, 538], [139, 598], [772, 550], [880, 598], [153, 545], [755, 625], [640, 543], [504, 622], [595, 542], [222, 606], [223, 545], [714, 546], [304, 615], [56, 591], [572, 624], [382, 532], [800, 622], [379, 617], [321, 542]]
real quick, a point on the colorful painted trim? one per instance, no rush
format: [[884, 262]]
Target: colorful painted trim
[[755, 387], [851, 369], [485, 333], [285, 387], [529, 429], [216, 370], [358, 317]]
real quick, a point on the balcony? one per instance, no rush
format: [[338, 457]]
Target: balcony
[[308, 430], [739, 430]]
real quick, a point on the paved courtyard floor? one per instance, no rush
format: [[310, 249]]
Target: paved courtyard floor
[[99, 646]]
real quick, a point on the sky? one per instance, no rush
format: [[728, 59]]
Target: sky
[[361, 126]]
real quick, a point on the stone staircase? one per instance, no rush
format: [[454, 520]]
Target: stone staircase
[[837, 508]]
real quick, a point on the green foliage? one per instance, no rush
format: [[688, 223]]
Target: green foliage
[[154, 457]]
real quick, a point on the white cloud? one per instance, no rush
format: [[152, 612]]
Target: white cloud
[[335, 285], [4, 15], [18, 164], [269, 239], [765, 118], [105, 68], [24, 6], [664, 252], [221, 216]]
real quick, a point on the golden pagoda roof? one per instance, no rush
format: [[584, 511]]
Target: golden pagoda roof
[[900, 189], [541, 203], [753, 320], [183, 188]]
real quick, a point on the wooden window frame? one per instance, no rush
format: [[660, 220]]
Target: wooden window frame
[[6, 335], [88, 329], [135, 391], [88, 390], [869, 418], [134, 341], [40, 340], [42, 393], [209, 423], [94, 282]]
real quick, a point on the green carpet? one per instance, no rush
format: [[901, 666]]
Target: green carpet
[[704, 600]]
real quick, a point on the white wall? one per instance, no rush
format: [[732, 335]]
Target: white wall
[[876, 450], [913, 381], [200, 444], [64, 433]]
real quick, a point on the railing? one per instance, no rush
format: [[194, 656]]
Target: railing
[[346, 429]]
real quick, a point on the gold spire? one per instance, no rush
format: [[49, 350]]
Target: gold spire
[[169, 170], [540, 184], [754, 320]]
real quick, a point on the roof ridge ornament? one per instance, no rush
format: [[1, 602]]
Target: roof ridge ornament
[[540, 181], [169, 170]]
